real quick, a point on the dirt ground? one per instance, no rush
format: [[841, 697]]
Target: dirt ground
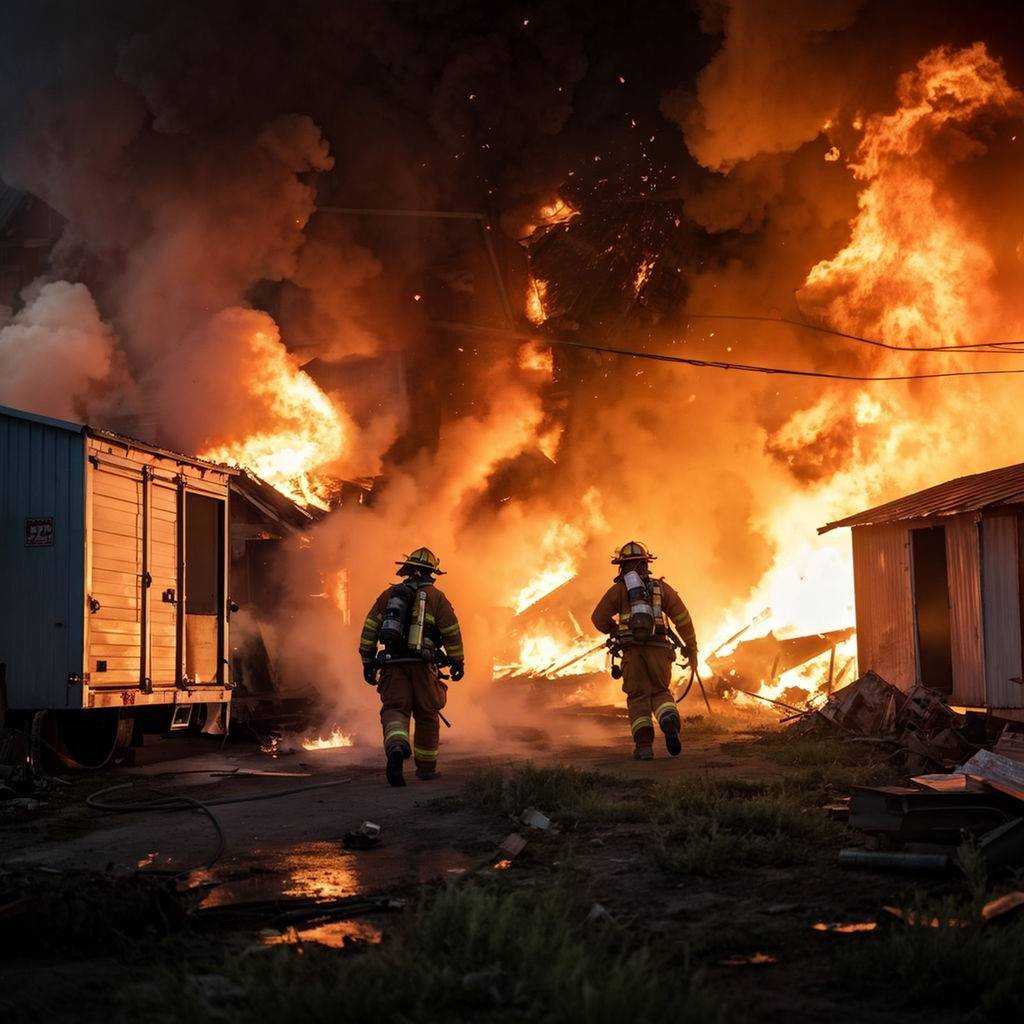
[[756, 927]]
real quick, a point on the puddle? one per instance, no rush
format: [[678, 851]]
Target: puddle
[[335, 934], [322, 870]]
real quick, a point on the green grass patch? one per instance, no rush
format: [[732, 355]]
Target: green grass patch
[[467, 953], [710, 826], [557, 790], [828, 763], [973, 969]]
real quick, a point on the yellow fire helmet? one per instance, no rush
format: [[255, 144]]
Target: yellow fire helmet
[[632, 551], [423, 558]]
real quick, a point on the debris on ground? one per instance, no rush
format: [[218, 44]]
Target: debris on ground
[[994, 910], [921, 827], [533, 818], [749, 960], [366, 837], [753, 663], [512, 845], [918, 723], [996, 771]]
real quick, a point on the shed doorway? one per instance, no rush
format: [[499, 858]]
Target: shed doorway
[[931, 608]]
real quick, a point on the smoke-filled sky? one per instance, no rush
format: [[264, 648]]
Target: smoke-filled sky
[[850, 163]]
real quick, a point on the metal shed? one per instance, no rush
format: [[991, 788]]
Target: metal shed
[[113, 570], [938, 589]]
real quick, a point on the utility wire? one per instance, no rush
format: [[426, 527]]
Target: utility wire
[[712, 364], [981, 347]]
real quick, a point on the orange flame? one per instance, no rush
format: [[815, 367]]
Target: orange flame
[[306, 435], [915, 269], [536, 293], [337, 738]]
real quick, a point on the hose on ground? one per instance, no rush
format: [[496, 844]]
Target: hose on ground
[[179, 802]]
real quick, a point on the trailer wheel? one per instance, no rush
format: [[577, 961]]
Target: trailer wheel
[[85, 740]]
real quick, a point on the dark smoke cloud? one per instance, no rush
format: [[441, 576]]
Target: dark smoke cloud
[[188, 145]]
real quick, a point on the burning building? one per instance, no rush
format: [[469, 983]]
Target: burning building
[[385, 269]]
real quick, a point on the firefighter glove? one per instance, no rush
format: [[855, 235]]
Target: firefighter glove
[[370, 671], [690, 654], [458, 670]]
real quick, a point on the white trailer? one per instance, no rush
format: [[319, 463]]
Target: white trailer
[[113, 570]]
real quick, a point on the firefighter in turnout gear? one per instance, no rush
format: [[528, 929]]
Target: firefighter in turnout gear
[[412, 621], [638, 613]]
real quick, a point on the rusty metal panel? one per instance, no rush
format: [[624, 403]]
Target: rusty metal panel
[[997, 487], [884, 600], [1000, 588], [963, 562]]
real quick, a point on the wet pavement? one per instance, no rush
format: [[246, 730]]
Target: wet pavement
[[291, 846]]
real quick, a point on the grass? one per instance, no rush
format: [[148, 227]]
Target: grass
[[557, 790], [973, 969], [709, 826], [700, 826], [467, 953], [827, 763]]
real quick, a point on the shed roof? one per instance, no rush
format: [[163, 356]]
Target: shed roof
[[1003, 486], [84, 428]]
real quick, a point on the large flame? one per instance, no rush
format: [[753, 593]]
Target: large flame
[[915, 270], [306, 433]]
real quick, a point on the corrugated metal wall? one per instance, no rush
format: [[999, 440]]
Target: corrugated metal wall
[[41, 586], [963, 560], [884, 597], [1000, 576]]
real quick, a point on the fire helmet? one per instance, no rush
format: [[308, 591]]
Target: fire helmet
[[632, 551], [423, 559]]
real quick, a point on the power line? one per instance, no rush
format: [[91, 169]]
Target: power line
[[712, 364], [981, 347]]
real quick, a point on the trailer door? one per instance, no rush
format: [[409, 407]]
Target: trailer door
[[115, 577], [163, 604]]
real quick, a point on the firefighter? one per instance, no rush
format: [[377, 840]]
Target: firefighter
[[643, 607], [412, 620]]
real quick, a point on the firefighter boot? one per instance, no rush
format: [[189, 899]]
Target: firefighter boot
[[394, 770], [643, 752], [669, 723], [427, 773]]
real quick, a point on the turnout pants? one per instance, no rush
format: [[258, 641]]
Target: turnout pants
[[412, 689], [646, 674]]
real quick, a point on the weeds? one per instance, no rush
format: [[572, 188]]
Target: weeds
[[466, 953], [556, 790], [958, 964], [709, 826], [829, 764]]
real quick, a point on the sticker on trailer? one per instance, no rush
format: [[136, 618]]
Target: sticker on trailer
[[39, 532]]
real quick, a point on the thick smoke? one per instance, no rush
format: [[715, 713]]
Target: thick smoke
[[189, 148], [56, 354]]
